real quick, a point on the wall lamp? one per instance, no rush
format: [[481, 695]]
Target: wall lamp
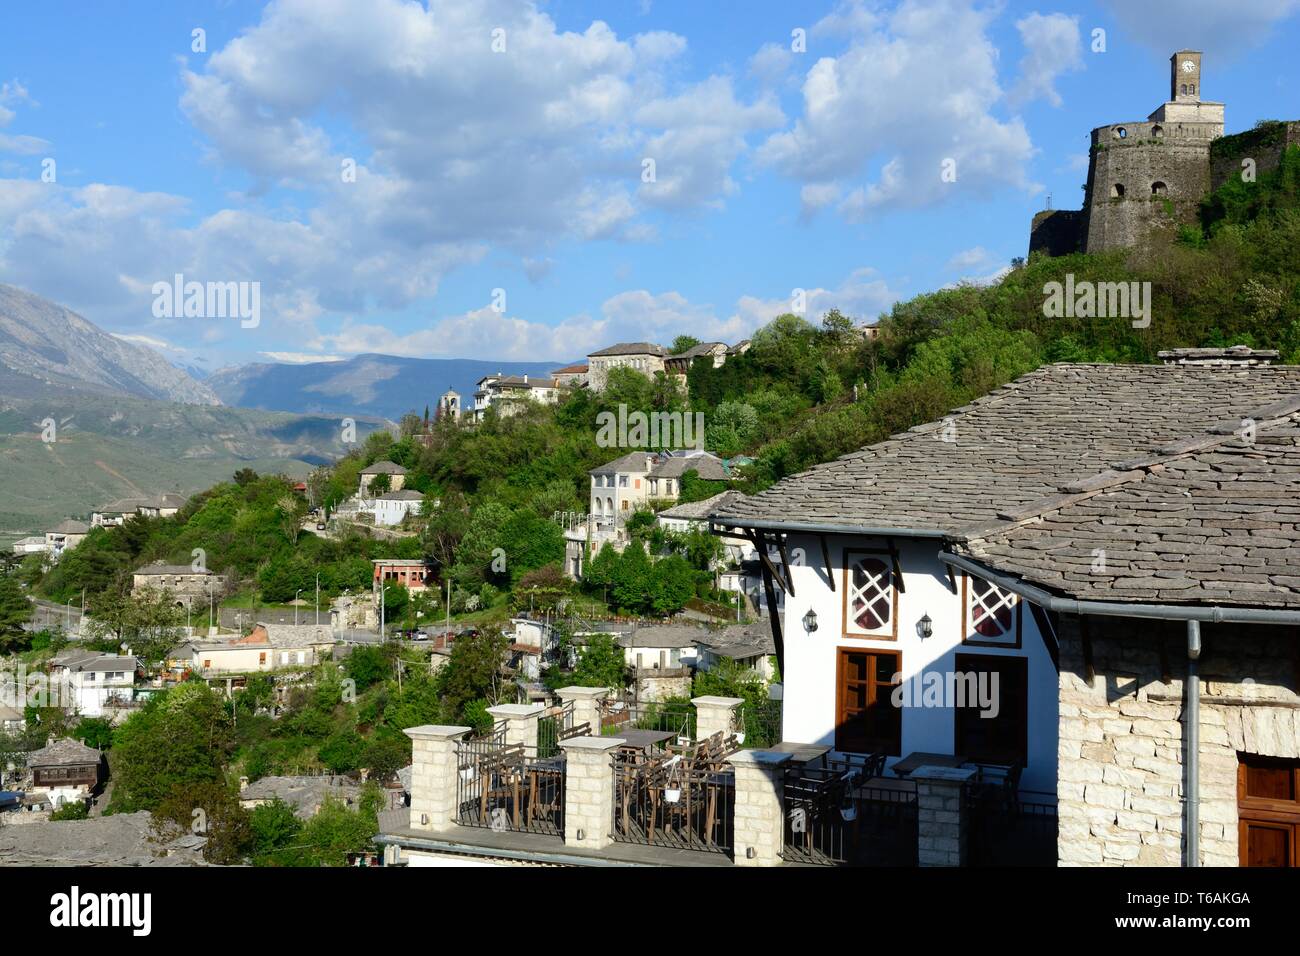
[[810, 621], [925, 627]]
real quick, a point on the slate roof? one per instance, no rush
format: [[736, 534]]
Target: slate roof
[[741, 640], [65, 752], [637, 461], [122, 839], [1015, 446], [520, 381], [71, 526], [632, 348], [709, 467], [1215, 521], [160, 567], [383, 468], [304, 794], [661, 635], [405, 494], [699, 510]]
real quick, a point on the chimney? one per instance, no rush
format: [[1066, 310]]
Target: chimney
[[1242, 355]]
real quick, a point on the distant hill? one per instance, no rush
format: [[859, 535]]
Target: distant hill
[[44, 346], [381, 385], [127, 423]]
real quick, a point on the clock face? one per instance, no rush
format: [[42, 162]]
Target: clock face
[[1188, 66]]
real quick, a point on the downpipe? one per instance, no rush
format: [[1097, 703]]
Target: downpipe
[[1192, 784]]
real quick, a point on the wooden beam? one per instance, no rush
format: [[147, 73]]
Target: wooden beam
[[899, 583], [785, 563], [826, 556], [1085, 638], [1047, 633], [756, 538], [774, 615]]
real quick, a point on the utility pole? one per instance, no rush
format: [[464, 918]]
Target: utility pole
[[295, 606], [318, 599]]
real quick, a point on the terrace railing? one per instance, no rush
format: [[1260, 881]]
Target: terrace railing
[[838, 817], [1010, 827], [509, 787], [678, 720]]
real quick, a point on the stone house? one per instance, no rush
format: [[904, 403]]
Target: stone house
[[65, 536], [1111, 551], [66, 770], [506, 393], [393, 506], [189, 586], [644, 357], [395, 472], [95, 681]]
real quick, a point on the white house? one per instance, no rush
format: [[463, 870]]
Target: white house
[[95, 680], [392, 506]]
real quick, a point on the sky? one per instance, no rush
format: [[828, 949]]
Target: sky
[[529, 180]]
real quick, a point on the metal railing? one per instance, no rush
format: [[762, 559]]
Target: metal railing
[[675, 718], [509, 787], [760, 722], [673, 804], [836, 818], [1010, 827]]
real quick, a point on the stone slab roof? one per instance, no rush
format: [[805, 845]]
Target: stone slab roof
[[160, 567], [699, 510], [65, 752], [1215, 521], [709, 467], [304, 794], [1015, 446], [383, 468], [405, 494], [637, 461], [631, 348], [71, 526], [123, 839]]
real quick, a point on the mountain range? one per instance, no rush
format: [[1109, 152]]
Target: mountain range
[[86, 418], [385, 386]]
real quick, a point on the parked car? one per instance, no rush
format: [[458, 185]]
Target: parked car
[[320, 525], [420, 636]]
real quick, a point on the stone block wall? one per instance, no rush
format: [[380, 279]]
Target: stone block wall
[[1120, 780]]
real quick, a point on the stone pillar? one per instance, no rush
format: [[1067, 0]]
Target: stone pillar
[[941, 825], [759, 821], [713, 714], [586, 704], [433, 775], [589, 791], [521, 722]]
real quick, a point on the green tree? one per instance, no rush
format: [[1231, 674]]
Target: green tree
[[683, 343], [601, 664], [15, 611], [275, 828], [211, 809]]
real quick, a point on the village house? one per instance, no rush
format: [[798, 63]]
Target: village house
[[571, 376], [411, 573], [188, 586], [666, 477], [65, 771], [620, 487], [1109, 549], [644, 357], [35, 544], [680, 364], [96, 681], [506, 393], [116, 512], [392, 507], [395, 472], [65, 536], [304, 794], [266, 647]]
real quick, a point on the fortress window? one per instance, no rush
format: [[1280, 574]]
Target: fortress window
[[1157, 131], [1120, 132], [1158, 189], [1117, 191]]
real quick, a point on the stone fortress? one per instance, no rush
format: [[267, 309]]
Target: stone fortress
[[1152, 173]]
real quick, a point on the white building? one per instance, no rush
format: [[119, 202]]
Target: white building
[[507, 393], [391, 507], [95, 680]]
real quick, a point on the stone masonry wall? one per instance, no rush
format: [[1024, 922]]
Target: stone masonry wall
[[1120, 783]]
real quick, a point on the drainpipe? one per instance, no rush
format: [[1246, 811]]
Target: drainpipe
[[1193, 759]]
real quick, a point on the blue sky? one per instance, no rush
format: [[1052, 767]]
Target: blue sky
[[522, 169]]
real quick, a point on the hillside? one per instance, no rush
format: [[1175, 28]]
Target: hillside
[[44, 345], [382, 385], [113, 447]]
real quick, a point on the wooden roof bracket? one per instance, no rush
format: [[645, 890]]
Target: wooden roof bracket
[[826, 557], [898, 573]]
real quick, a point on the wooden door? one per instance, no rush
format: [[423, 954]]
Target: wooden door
[[1268, 811]]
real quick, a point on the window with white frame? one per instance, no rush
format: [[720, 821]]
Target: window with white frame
[[870, 596], [992, 614]]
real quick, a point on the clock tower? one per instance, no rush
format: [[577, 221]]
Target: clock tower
[[1185, 76]]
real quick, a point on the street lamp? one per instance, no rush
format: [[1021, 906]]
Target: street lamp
[[295, 606]]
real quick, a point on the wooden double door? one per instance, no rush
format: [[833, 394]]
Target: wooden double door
[[1268, 811]]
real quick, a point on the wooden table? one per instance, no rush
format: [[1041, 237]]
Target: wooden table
[[637, 739], [803, 753], [921, 758]]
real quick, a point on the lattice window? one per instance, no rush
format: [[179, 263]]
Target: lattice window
[[869, 595], [991, 611]]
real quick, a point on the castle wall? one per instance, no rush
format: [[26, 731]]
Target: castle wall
[[1058, 232], [1264, 144], [1142, 175]]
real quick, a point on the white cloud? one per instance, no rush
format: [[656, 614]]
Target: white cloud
[[977, 257], [912, 89], [1221, 29], [151, 341], [1052, 47], [863, 295]]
